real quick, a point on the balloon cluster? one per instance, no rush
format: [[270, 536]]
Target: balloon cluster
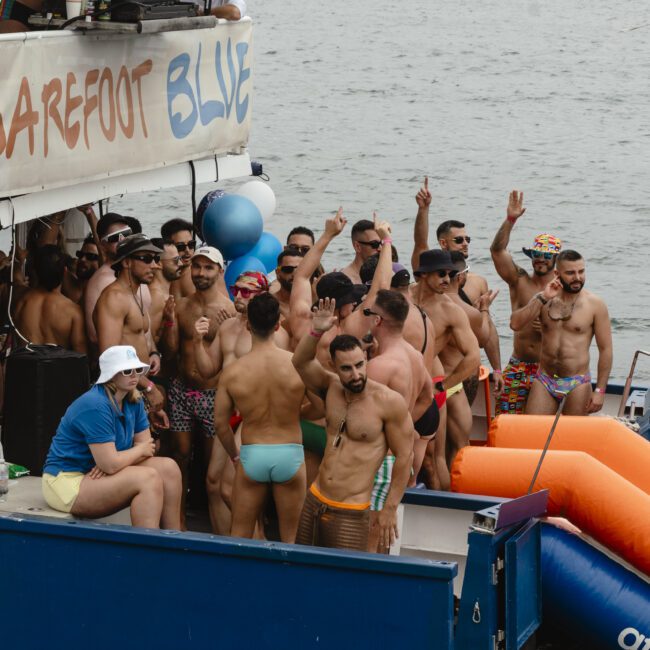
[[234, 223]]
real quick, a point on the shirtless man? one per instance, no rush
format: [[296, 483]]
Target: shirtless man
[[267, 391], [74, 284], [191, 395], [301, 238], [571, 317], [43, 314], [233, 341], [121, 316], [458, 352], [364, 420], [288, 261], [521, 370], [179, 233], [366, 242], [398, 365], [161, 298]]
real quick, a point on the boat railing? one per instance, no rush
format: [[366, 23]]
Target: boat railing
[[628, 383]]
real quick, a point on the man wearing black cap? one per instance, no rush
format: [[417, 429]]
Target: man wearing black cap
[[458, 350], [121, 316]]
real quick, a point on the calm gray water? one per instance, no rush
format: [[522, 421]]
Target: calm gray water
[[355, 102]]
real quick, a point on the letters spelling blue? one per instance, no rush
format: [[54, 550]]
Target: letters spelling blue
[[178, 85]]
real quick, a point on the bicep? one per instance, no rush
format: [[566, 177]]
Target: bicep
[[103, 453], [506, 267], [109, 319], [223, 403], [602, 327], [399, 427]]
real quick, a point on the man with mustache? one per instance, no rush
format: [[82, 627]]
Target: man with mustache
[[521, 370], [570, 318]]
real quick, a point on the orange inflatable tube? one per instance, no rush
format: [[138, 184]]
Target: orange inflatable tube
[[594, 497], [607, 440]]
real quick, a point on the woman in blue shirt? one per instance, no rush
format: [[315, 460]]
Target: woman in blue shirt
[[102, 456]]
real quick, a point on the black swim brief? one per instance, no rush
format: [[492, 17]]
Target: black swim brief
[[428, 424]]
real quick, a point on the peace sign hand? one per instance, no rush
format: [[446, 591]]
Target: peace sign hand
[[423, 197], [323, 318], [515, 206]]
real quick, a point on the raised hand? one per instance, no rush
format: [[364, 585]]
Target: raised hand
[[515, 205], [201, 328], [552, 289], [222, 315], [484, 302], [423, 197], [382, 228], [169, 310], [335, 225], [323, 318]]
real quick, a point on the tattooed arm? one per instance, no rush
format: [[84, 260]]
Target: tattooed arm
[[503, 262]]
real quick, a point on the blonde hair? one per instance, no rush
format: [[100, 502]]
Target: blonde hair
[[132, 396]]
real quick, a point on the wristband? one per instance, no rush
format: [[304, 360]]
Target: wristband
[[316, 334], [541, 298], [234, 459], [387, 240], [169, 323], [484, 310], [156, 354], [600, 391], [496, 371], [512, 220]]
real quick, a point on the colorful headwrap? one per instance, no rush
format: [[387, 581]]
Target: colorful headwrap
[[254, 280], [545, 243]]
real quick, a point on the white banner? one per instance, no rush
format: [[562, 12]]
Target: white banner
[[87, 107]]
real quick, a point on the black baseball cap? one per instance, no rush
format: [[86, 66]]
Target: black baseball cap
[[434, 260]]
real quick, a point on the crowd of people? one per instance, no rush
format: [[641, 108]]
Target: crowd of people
[[324, 394]]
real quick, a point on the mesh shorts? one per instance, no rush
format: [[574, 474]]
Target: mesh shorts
[[190, 407]]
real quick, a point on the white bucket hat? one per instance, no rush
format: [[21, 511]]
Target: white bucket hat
[[118, 358]]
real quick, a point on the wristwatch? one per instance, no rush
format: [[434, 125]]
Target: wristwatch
[[439, 387], [541, 298]]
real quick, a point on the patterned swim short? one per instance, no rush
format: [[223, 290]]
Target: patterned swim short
[[518, 377], [189, 407]]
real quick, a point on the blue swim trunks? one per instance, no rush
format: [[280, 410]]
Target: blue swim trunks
[[271, 463]]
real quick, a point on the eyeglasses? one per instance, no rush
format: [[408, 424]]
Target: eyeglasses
[[91, 257], [374, 243], [130, 371], [538, 255], [243, 291], [117, 236], [303, 249], [148, 258], [288, 269], [181, 245], [460, 240], [177, 260]]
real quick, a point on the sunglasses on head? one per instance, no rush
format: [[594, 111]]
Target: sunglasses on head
[[539, 255], [181, 245], [91, 257], [288, 269], [130, 371], [374, 243], [303, 249], [117, 236], [244, 292], [147, 258], [460, 239]]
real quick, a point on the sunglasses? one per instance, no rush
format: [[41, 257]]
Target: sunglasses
[[303, 249], [147, 258], [91, 257], [374, 243], [288, 269], [130, 371], [339, 436], [443, 273], [243, 292], [177, 260], [460, 240], [181, 246], [539, 255], [117, 236]]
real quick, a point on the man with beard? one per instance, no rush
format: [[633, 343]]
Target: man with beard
[[162, 301], [232, 341], [301, 238], [74, 284], [288, 261], [521, 370], [364, 420], [191, 395], [570, 317], [366, 242], [179, 233], [267, 391], [121, 315]]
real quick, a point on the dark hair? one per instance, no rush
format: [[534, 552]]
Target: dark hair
[[394, 304], [290, 251], [49, 265], [361, 226], [107, 221], [134, 224], [263, 313], [301, 230], [568, 256], [446, 226], [368, 268], [158, 242], [173, 226], [89, 239], [344, 343]]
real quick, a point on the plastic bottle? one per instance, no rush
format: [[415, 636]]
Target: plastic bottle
[[4, 476], [90, 10]]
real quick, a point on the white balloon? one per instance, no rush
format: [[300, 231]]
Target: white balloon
[[261, 194]]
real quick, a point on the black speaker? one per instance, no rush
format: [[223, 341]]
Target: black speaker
[[41, 381]]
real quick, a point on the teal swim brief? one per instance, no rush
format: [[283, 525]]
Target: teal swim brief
[[271, 463]]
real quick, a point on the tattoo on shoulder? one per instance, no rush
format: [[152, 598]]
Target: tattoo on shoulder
[[519, 271]]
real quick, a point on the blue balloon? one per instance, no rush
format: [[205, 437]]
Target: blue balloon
[[233, 224], [267, 250], [238, 266], [214, 195]]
